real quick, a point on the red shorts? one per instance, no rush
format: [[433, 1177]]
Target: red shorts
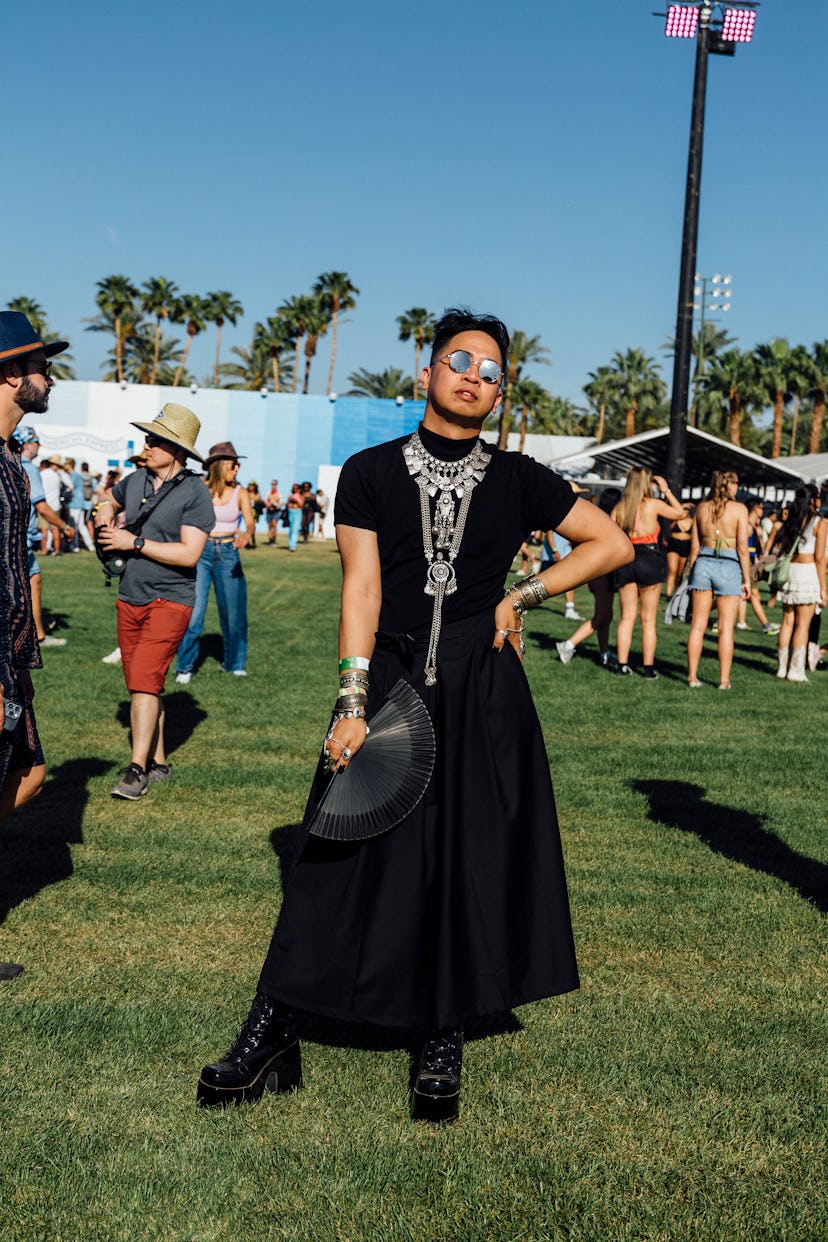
[[148, 635]]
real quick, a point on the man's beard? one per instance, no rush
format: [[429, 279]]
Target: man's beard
[[30, 399]]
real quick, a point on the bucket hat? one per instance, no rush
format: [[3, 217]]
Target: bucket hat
[[26, 435], [223, 451], [17, 337], [176, 424]]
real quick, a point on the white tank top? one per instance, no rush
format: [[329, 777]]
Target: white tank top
[[807, 540]]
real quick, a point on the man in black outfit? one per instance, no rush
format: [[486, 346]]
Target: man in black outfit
[[459, 911]]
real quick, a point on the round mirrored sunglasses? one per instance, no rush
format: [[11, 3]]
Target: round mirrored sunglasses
[[460, 361]]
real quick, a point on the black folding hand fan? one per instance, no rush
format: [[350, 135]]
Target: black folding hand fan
[[386, 778]]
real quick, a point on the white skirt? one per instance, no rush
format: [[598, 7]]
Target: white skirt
[[803, 585]]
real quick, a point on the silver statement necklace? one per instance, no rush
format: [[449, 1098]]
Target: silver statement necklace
[[443, 534]]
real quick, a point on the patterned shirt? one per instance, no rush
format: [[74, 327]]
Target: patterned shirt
[[18, 639]]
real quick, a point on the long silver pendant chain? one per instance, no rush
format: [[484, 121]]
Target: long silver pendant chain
[[443, 534]]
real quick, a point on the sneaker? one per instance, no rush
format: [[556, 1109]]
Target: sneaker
[[741, 625], [566, 651], [158, 772], [114, 657], [50, 641], [770, 627], [183, 679], [132, 785], [695, 685], [623, 670], [571, 615], [649, 672], [239, 672], [606, 659]]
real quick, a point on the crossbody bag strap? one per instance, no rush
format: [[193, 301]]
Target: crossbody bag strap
[[146, 512]]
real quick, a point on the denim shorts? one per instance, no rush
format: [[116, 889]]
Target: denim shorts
[[720, 574]]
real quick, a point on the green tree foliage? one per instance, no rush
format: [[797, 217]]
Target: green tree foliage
[[191, 310], [157, 298], [336, 294], [221, 307], [600, 391], [818, 382], [115, 300], [416, 324], [729, 389], [639, 391], [389, 383], [523, 350]]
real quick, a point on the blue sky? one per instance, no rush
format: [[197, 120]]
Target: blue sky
[[528, 160]]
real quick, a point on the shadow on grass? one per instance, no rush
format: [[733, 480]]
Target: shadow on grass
[[333, 1031], [734, 834], [183, 716], [210, 647], [36, 840]]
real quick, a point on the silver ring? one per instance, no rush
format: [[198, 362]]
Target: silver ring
[[503, 632], [346, 753]]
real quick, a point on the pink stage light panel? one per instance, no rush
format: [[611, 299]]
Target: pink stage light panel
[[737, 25], [682, 21]]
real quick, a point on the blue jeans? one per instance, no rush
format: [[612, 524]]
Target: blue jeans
[[220, 564], [295, 520]]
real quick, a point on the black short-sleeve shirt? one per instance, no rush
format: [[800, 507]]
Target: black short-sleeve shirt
[[517, 495]]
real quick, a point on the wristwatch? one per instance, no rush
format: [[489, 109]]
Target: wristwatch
[[139, 543]]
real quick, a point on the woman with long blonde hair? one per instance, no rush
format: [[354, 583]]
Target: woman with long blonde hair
[[639, 583], [720, 569]]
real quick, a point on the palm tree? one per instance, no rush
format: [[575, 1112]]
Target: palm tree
[[799, 378], [116, 295], [818, 372], [317, 321], [62, 367], [776, 369], [600, 391], [294, 312], [732, 386], [523, 349], [416, 323], [638, 384], [145, 357], [534, 404], [252, 371], [221, 307], [189, 309], [274, 337], [388, 383], [336, 294], [157, 299]]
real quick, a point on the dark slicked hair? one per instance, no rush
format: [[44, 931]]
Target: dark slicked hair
[[460, 319]]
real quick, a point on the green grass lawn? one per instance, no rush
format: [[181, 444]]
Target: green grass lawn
[[680, 1094]]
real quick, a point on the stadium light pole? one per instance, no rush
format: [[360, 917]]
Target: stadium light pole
[[716, 28], [719, 290]]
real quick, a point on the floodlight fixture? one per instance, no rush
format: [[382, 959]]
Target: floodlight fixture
[[737, 25], [682, 21]]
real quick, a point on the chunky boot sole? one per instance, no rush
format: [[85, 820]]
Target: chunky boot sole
[[283, 1072], [434, 1108]]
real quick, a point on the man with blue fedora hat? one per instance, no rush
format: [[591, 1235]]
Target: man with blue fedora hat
[[25, 385]]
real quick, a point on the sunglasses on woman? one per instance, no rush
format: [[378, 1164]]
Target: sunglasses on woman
[[460, 361]]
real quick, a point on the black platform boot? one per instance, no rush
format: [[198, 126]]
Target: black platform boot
[[436, 1092], [264, 1056]]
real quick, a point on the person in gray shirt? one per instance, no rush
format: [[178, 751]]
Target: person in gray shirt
[[174, 513]]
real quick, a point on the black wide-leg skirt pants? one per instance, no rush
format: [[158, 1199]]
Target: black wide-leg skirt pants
[[461, 910]]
